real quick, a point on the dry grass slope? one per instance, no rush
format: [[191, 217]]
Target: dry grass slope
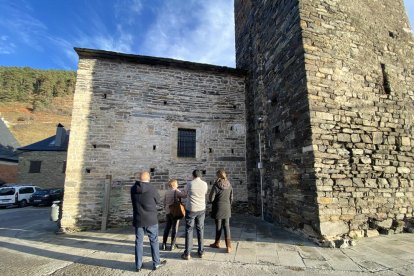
[[29, 127]]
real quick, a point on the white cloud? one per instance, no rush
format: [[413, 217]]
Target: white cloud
[[34, 33], [200, 31], [66, 57], [128, 10], [135, 6], [25, 27], [100, 35], [119, 42], [6, 47], [194, 30]]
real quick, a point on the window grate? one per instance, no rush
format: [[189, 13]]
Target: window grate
[[35, 166], [186, 143]]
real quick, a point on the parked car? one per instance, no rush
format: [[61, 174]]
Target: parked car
[[16, 195], [46, 197]]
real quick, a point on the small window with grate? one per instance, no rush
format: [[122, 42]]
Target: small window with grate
[[35, 166], [186, 143]]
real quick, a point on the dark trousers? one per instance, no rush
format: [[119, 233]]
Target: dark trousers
[[198, 218], [222, 224], [172, 224]]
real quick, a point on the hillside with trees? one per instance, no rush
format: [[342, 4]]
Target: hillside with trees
[[35, 86], [34, 101]]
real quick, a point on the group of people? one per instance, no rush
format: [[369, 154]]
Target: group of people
[[145, 199]]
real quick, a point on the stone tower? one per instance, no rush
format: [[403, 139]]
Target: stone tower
[[331, 96]]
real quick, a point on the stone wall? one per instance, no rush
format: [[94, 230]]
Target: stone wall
[[269, 45], [333, 83], [51, 172], [360, 77], [126, 115], [8, 172]]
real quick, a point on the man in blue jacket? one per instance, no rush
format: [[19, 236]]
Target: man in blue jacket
[[144, 199]]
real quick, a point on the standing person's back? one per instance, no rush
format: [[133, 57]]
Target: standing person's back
[[196, 195], [195, 212], [221, 197], [170, 197], [144, 199]]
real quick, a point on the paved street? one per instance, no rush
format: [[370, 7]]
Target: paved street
[[28, 246]]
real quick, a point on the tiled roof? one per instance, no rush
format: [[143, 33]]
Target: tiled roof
[[47, 144]]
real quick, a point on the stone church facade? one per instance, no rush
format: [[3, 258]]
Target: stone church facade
[[324, 117], [133, 113]]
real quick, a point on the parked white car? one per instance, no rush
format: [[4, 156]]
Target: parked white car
[[16, 195]]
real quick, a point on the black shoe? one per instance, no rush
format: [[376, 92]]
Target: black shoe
[[138, 270], [200, 255], [161, 264], [164, 246]]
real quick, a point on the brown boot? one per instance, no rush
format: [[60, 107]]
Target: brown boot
[[216, 244], [228, 245]]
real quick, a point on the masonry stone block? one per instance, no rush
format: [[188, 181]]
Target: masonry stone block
[[333, 229], [344, 137], [390, 170], [344, 182], [356, 234], [383, 224], [403, 170], [355, 138], [325, 200], [377, 137], [371, 233], [405, 141]]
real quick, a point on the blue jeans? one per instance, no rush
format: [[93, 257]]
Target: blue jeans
[[152, 232], [198, 218]]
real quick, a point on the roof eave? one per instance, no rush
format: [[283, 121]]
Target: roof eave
[[150, 60]]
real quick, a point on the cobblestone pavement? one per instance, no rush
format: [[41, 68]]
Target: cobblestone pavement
[[260, 248]]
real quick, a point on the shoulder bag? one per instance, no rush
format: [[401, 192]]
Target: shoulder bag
[[177, 209]]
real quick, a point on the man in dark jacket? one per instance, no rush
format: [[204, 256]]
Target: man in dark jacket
[[144, 199]]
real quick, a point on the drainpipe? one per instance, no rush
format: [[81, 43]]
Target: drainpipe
[[260, 167]]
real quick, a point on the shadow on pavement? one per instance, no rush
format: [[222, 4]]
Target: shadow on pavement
[[78, 247]]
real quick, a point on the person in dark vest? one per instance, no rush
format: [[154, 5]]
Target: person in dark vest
[[221, 197], [144, 199]]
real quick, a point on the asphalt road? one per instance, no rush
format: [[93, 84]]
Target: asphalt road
[[27, 222], [19, 228]]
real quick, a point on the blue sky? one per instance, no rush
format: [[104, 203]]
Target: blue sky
[[42, 33]]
